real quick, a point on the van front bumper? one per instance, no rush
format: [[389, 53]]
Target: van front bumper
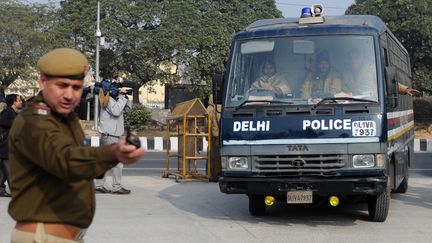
[[319, 186]]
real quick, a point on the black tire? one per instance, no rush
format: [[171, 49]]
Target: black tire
[[378, 205], [257, 206], [403, 186]]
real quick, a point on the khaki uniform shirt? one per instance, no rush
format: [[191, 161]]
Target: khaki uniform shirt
[[52, 170], [360, 81], [213, 117], [330, 84], [402, 88]]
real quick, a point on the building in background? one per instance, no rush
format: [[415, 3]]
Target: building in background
[[153, 96]]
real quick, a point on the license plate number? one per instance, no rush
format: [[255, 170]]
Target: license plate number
[[297, 197], [363, 128]]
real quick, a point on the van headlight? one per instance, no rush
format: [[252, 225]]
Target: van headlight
[[363, 161], [239, 163]]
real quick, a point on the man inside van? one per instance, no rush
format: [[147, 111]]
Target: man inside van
[[358, 76], [323, 80], [272, 81]]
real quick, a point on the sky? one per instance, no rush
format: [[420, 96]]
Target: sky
[[290, 8]]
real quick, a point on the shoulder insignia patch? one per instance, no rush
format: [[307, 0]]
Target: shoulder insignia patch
[[41, 109]]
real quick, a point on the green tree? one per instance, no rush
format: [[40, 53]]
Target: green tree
[[197, 34], [127, 27], [137, 117], [411, 23], [24, 36], [144, 39], [204, 31]]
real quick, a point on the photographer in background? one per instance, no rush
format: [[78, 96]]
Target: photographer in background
[[111, 126]]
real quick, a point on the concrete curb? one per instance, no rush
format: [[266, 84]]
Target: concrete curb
[[422, 145], [159, 144]]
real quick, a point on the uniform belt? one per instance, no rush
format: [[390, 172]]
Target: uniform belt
[[66, 231], [109, 135]]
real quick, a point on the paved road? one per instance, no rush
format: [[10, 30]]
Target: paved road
[[155, 163], [161, 210]]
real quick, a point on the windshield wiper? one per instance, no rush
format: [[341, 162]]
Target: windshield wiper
[[325, 100], [264, 102]]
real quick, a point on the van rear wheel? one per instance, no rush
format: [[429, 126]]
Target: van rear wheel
[[257, 206], [403, 186]]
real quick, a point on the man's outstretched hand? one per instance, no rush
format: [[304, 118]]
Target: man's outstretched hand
[[126, 153], [412, 92]]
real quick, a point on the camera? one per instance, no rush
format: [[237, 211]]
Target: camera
[[108, 85], [126, 91], [132, 138]]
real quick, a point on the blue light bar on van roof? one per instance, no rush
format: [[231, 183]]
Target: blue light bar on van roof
[[306, 12]]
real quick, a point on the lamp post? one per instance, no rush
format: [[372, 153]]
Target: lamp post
[[96, 97]]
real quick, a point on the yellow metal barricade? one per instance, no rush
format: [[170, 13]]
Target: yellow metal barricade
[[190, 122]]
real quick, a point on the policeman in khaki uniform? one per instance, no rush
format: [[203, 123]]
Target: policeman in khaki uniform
[[403, 89], [272, 80], [358, 71], [52, 167], [324, 79], [215, 161]]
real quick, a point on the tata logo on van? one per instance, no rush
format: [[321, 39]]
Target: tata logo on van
[[296, 147], [251, 126]]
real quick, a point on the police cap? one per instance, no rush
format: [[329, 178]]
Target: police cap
[[64, 62]]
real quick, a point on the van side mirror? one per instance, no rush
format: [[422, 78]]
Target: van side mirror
[[392, 86], [217, 84]]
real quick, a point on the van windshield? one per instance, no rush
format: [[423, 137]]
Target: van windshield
[[303, 70]]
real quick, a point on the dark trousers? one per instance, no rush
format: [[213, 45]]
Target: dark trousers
[[4, 174], [215, 161]]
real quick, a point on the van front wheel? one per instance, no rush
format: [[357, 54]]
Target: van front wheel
[[378, 206]]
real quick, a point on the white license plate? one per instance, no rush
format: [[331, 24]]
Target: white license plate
[[363, 128], [295, 197]]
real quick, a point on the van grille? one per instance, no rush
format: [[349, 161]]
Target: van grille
[[324, 164]]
